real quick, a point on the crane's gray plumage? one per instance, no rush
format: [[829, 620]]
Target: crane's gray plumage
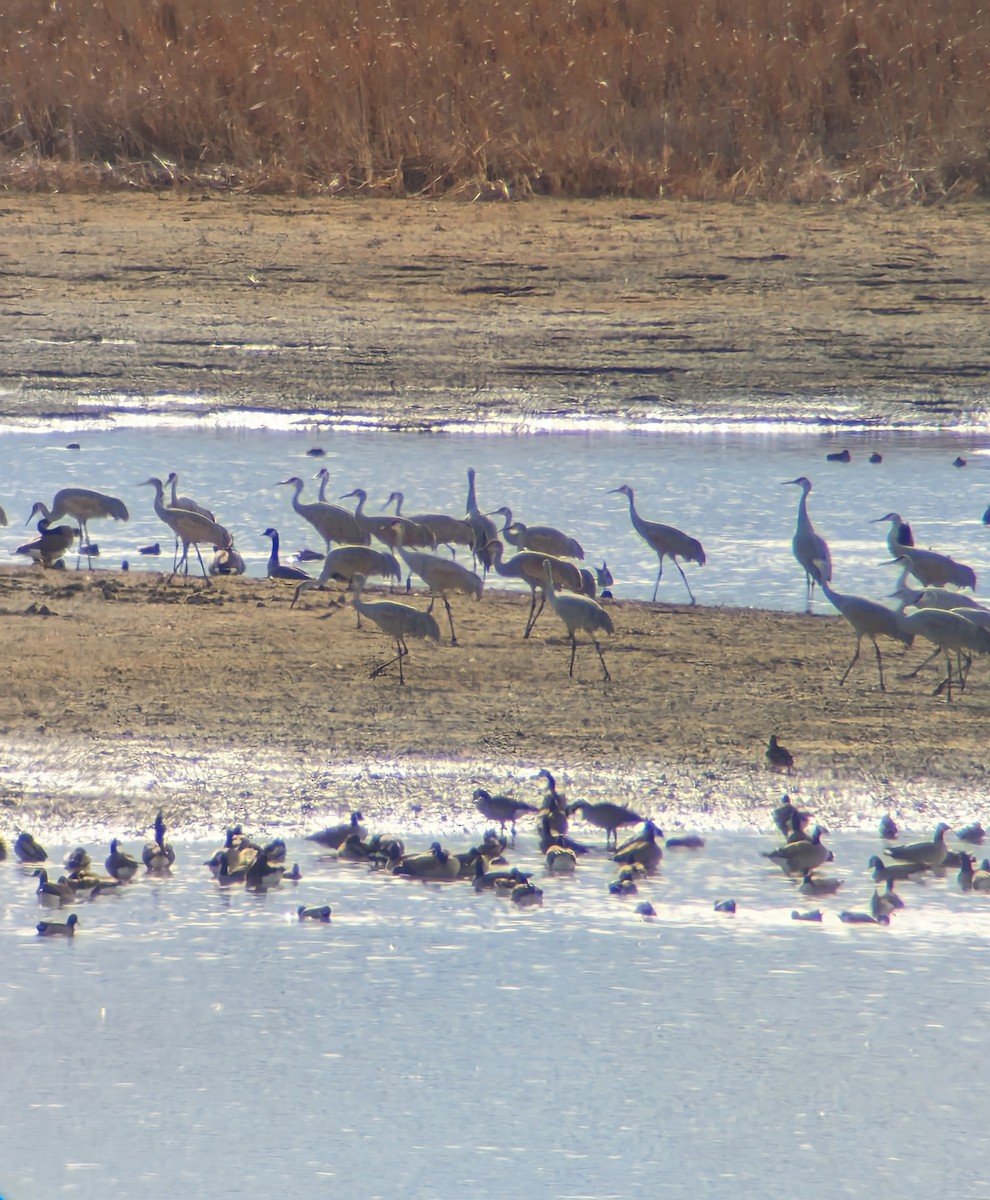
[[578, 612], [385, 527], [442, 576], [868, 619], [542, 538], [446, 530], [344, 562], [83, 505], [331, 522], [189, 527], [810, 549], [483, 528], [527, 566], [399, 621], [898, 535], [947, 631], [932, 569], [52, 542], [664, 540]]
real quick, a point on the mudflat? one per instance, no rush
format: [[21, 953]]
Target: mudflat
[[418, 315]]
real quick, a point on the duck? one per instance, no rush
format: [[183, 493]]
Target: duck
[[53, 895], [928, 854], [800, 856], [27, 850], [643, 849], [316, 913], [560, 860], [547, 838], [504, 809], [120, 864], [233, 868], [355, 849], [646, 910], [91, 885], [436, 864], [78, 860], [862, 918], [334, 836], [882, 871], [818, 885], [526, 895], [626, 882], [554, 806], [506, 877], [981, 878], [814, 914], [65, 928], [605, 815], [974, 833], [158, 856], [885, 903], [778, 757]]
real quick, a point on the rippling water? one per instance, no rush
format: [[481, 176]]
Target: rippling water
[[435, 1043], [722, 486]]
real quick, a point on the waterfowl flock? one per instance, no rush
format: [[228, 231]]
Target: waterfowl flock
[[549, 561], [550, 853]]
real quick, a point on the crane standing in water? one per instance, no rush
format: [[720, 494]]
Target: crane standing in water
[[663, 540], [83, 505], [810, 549]]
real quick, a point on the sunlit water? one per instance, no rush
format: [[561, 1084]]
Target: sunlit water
[[434, 1043], [431, 1043], [721, 486]]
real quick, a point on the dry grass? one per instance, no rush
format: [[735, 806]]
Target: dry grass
[[799, 99]]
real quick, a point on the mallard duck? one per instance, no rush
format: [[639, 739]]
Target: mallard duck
[[78, 860], [605, 815], [928, 854], [560, 860], [27, 850], [120, 864], [334, 836], [800, 856], [819, 885], [974, 833], [53, 895], [504, 809], [158, 856], [321, 913], [437, 864], [526, 895], [65, 928], [644, 849]]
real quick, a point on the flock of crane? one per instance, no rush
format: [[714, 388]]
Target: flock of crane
[[546, 560]]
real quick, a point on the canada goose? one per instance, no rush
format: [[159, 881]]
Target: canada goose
[[928, 854], [548, 838], [78, 860], [526, 895], [862, 918], [644, 849], [27, 850], [973, 833], [53, 895], [818, 885], [897, 871], [888, 827], [625, 883], [604, 815], [560, 860], [321, 913], [491, 880], [334, 836], [87, 883], [158, 856], [268, 869], [436, 864], [236, 846], [778, 757], [814, 914], [120, 864], [234, 867], [354, 849], [65, 928], [504, 809], [883, 904], [788, 818], [800, 856]]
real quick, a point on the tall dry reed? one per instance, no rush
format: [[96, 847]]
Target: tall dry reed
[[792, 99]]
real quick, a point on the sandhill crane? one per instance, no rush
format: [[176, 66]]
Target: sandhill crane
[[344, 562], [385, 527], [397, 620], [331, 522], [446, 530], [51, 543], [810, 549], [542, 538], [607, 816], [932, 569], [899, 534], [947, 631], [442, 576], [527, 566], [664, 541], [578, 612], [83, 505], [189, 527], [483, 528], [187, 502], [931, 597], [868, 619], [280, 570]]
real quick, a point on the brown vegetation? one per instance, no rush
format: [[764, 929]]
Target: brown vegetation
[[694, 98]]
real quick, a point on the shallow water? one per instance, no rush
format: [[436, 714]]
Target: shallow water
[[722, 486], [434, 1043]]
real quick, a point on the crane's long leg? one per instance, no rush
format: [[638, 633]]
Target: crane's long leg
[[684, 577], [533, 618], [450, 621], [656, 586], [934, 654], [202, 564], [601, 657], [879, 664], [859, 640], [573, 653]]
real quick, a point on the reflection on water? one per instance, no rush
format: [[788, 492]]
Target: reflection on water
[[430, 1040], [721, 486]]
